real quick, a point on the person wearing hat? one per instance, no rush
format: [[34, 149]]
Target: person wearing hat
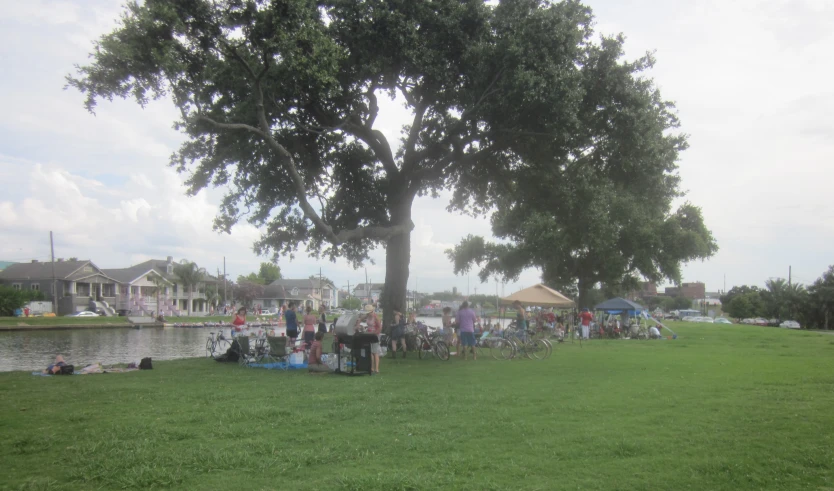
[[374, 327], [585, 318]]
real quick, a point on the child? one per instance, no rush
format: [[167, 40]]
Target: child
[[314, 364]]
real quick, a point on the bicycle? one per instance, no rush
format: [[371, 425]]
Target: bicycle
[[431, 345], [217, 345], [530, 346], [499, 348]]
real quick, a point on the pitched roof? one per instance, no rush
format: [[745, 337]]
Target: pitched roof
[[290, 283], [5, 264], [374, 286], [42, 270], [131, 274], [274, 291]]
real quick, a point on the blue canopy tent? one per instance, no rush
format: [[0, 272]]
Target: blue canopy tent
[[620, 305]]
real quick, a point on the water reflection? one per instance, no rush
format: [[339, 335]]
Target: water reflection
[[34, 350]]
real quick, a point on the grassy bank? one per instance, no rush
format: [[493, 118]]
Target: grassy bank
[[735, 407], [59, 321]]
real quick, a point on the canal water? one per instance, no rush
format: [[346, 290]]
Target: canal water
[[35, 350]]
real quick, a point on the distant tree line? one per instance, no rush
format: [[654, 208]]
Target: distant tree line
[[811, 307]]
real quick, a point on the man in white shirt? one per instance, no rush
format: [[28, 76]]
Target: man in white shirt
[[654, 332]]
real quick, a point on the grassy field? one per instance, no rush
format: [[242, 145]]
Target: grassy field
[[720, 408]]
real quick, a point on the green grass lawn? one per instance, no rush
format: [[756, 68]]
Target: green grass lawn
[[720, 408]]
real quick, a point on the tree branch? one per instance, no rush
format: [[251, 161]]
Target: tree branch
[[265, 131], [409, 160]]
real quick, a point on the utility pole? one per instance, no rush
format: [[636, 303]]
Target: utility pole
[[54, 288], [789, 276]]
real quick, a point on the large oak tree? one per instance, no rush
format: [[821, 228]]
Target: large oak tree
[[279, 101]]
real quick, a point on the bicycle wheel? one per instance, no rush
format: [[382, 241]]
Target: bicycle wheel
[[549, 347], [502, 349], [441, 350], [221, 346], [424, 349], [536, 349], [209, 347]]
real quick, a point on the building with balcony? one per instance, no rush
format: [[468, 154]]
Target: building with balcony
[[304, 292], [152, 287]]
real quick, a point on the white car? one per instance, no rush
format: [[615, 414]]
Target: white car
[[689, 319], [86, 313], [790, 325], [722, 320], [706, 320]]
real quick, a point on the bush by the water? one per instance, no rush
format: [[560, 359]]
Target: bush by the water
[[13, 298]]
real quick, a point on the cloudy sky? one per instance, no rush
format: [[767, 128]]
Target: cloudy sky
[[752, 80]]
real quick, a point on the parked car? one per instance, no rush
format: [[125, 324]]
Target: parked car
[[86, 313], [790, 325], [722, 320], [760, 322], [706, 320]]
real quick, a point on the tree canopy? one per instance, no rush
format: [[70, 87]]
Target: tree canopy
[[279, 101]]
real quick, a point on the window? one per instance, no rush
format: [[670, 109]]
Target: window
[[17, 286], [88, 269], [35, 286], [169, 269]]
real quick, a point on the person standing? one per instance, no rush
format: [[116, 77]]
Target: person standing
[[585, 319], [240, 320], [448, 330], [309, 327], [466, 328], [292, 323], [322, 321], [398, 334], [374, 326], [520, 317]]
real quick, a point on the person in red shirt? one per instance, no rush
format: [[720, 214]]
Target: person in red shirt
[[585, 319], [240, 320]]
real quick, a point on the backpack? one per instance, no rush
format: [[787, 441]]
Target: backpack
[[145, 364], [66, 370]]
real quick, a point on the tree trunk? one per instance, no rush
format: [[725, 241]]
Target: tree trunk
[[584, 286], [190, 298], [397, 260]]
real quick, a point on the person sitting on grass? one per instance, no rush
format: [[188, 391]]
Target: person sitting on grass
[[314, 364]]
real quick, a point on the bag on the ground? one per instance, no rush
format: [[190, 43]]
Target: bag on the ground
[[66, 370], [231, 354], [145, 364]]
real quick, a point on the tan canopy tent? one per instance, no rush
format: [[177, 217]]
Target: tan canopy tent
[[540, 296]]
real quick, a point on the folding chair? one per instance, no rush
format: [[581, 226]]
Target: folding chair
[[243, 353], [278, 352]]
